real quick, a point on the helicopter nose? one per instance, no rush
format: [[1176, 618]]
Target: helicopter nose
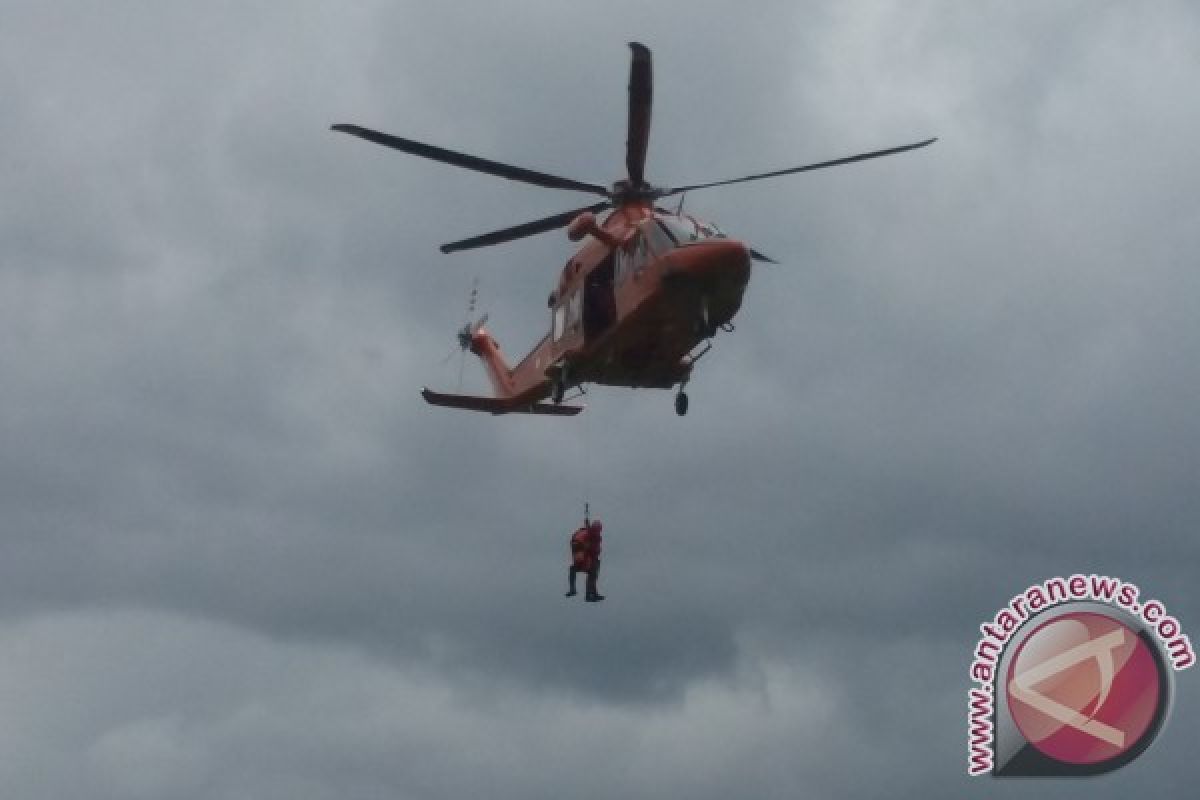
[[715, 260]]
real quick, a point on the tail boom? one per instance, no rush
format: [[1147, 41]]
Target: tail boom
[[499, 373], [509, 398]]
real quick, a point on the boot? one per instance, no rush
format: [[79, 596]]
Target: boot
[[571, 592], [594, 598]]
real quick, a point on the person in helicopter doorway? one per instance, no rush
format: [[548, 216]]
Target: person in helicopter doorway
[[586, 544]]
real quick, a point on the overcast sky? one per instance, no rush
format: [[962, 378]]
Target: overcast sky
[[241, 558]]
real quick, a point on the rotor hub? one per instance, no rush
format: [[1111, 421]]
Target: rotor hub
[[624, 191]]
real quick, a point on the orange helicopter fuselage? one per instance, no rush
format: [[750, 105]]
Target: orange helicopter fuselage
[[646, 290]]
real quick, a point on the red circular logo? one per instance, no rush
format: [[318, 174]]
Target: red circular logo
[[1084, 688]]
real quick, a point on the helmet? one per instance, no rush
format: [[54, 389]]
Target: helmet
[[595, 526]]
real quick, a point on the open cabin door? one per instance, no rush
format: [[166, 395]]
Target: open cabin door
[[599, 299]]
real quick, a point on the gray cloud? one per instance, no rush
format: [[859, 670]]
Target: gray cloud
[[239, 557]]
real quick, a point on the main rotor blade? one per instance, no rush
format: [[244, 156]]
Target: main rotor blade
[[806, 168], [519, 231], [471, 162], [641, 92]]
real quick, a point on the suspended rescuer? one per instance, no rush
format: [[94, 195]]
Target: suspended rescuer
[[586, 544]]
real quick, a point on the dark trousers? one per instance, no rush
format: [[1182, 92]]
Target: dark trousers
[[592, 575]]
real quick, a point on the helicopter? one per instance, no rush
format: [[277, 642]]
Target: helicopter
[[640, 301]]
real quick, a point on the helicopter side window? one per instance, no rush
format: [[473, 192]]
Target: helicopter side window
[[560, 315], [630, 256], [574, 307]]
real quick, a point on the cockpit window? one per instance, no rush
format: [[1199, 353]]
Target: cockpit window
[[659, 239], [683, 230]]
